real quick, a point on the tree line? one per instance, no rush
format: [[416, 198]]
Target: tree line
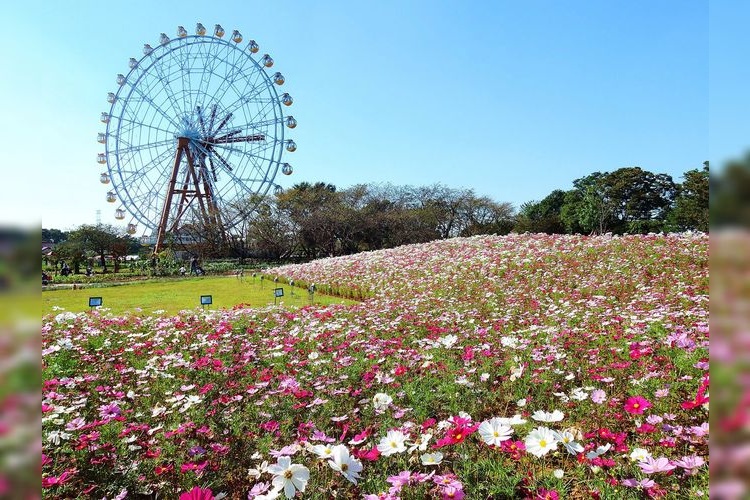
[[88, 243], [312, 220]]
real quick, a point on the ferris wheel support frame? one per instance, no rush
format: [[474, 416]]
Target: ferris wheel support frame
[[208, 213]]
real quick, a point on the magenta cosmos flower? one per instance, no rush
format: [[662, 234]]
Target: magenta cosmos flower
[[197, 493], [637, 405]]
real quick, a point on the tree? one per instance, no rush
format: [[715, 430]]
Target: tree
[[640, 199], [98, 239], [485, 216], [691, 207], [54, 235], [72, 252], [271, 233], [309, 207], [102, 239], [629, 199], [730, 194], [542, 216]]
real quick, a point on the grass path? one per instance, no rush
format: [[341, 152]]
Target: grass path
[[174, 295]]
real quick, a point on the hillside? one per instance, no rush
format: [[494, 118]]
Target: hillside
[[517, 366]]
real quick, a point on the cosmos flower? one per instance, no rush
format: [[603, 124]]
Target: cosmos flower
[[636, 405], [544, 416], [344, 463], [493, 432], [639, 454], [653, 465], [599, 451], [197, 493], [644, 483], [514, 420], [323, 450], [540, 441], [598, 396], [691, 463], [431, 458], [288, 476], [567, 439], [381, 401], [392, 443]]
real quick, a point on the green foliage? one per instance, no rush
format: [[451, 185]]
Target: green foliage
[[691, 208]]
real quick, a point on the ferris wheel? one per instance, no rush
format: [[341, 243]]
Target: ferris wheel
[[194, 133]]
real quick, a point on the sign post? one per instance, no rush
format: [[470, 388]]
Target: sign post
[[95, 302], [206, 300], [277, 293]]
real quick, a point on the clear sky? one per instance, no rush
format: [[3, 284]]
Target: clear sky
[[510, 98]]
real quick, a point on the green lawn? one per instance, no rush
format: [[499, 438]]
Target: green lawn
[[177, 294]]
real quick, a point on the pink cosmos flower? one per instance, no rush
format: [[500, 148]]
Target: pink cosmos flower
[[403, 479], [258, 489], [635, 483], [197, 493], [652, 465], [636, 405], [48, 482], [452, 493], [691, 463], [109, 411], [544, 494], [598, 396]]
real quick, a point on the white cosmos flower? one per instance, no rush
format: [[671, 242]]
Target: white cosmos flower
[[578, 394], [540, 441], [494, 432], [381, 401], [639, 454], [514, 420], [392, 443], [448, 340], [558, 473], [255, 473], [342, 462], [432, 458], [421, 443], [569, 441], [323, 450], [601, 450], [289, 477], [516, 372], [545, 416]]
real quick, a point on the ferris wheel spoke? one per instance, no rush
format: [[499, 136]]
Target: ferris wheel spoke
[[257, 90], [135, 123], [153, 105], [229, 78], [170, 93], [151, 145], [261, 112], [147, 168]]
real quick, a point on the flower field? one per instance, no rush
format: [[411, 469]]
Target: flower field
[[523, 366]]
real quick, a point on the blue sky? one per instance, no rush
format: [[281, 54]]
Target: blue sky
[[511, 99]]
